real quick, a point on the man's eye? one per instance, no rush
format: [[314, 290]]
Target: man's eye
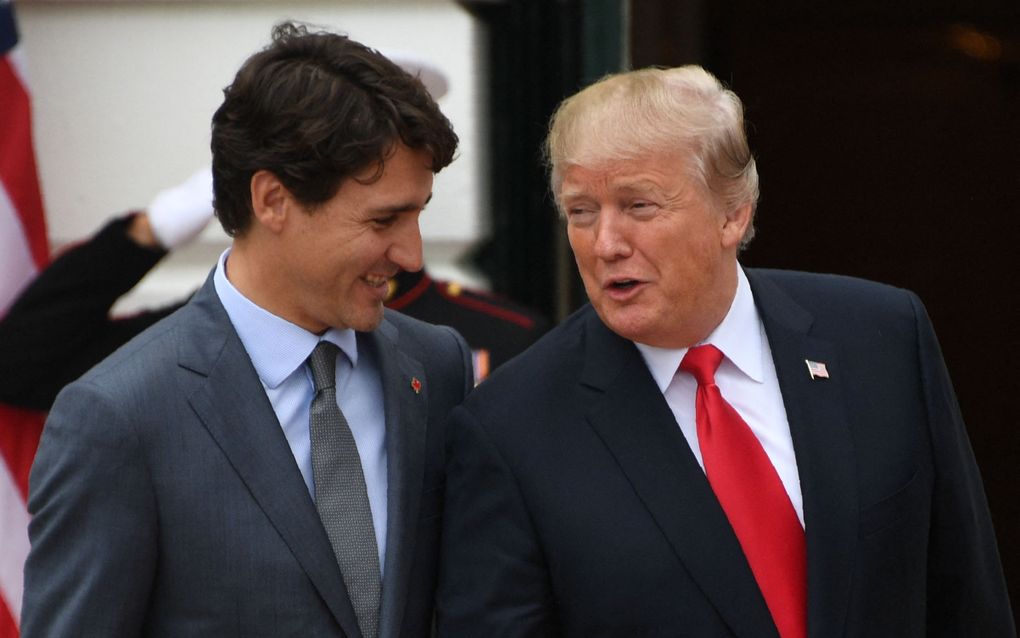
[[643, 207], [578, 215], [384, 222]]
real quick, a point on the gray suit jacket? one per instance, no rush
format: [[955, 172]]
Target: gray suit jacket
[[167, 502]]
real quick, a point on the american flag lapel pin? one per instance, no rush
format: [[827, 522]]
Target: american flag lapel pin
[[416, 385], [816, 369]]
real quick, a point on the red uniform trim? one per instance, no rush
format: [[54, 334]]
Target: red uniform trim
[[488, 308]]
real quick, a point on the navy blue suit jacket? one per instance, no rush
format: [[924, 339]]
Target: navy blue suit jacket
[[575, 507]]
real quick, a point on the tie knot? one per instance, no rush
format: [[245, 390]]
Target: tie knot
[[322, 361], [702, 362]]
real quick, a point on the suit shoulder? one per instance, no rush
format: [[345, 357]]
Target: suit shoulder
[[426, 339], [822, 290], [855, 312], [823, 282], [144, 359], [415, 328], [555, 358], [111, 403]]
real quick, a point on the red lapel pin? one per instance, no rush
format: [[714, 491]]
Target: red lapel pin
[[416, 385]]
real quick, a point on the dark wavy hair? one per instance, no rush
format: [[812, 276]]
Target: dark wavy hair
[[315, 108]]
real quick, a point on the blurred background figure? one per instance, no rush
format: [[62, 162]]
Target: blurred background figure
[[60, 325], [496, 328]]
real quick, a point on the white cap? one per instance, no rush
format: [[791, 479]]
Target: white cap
[[178, 214], [425, 70]]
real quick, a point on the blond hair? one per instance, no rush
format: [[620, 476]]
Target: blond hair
[[683, 110]]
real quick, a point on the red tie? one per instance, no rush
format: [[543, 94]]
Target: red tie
[[753, 497]]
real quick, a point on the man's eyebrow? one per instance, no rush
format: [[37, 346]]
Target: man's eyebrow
[[640, 185], [403, 207], [573, 193]]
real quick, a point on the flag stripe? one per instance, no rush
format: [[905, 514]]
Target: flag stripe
[[19, 439], [7, 626], [24, 250], [14, 532], [17, 267], [17, 161]]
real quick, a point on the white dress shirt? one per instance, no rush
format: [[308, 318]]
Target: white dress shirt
[[278, 350], [747, 380]]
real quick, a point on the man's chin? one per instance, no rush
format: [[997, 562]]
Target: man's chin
[[618, 322], [366, 321], [633, 326]]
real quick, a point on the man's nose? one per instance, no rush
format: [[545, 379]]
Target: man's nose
[[406, 251], [610, 236]]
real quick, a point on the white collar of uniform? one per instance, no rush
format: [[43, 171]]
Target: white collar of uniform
[[738, 336], [275, 346]]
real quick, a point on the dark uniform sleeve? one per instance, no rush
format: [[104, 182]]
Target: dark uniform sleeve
[[496, 328], [59, 326]]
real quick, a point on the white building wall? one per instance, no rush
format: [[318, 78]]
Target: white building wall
[[124, 93]]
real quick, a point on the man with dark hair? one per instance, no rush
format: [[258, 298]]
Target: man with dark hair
[[706, 449], [267, 460]]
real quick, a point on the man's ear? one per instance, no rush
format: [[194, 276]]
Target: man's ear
[[735, 223], [270, 200]]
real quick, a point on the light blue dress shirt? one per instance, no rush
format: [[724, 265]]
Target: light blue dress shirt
[[278, 350]]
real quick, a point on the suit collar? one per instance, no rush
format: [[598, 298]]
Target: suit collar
[[233, 406], [406, 417], [824, 448], [636, 425]]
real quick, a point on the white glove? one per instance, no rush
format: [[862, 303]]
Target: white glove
[[178, 214]]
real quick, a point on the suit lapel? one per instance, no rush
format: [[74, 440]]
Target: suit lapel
[[823, 446], [233, 407], [406, 416], [635, 423]]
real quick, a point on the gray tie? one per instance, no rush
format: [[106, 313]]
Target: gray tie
[[340, 493]]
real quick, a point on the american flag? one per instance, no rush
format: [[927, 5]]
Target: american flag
[[816, 369], [23, 251]]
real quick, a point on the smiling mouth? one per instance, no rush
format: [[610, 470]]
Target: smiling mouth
[[375, 281]]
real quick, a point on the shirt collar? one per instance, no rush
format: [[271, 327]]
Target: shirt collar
[[275, 346], [738, 336]]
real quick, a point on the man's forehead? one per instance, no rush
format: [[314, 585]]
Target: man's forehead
[[641, 176]]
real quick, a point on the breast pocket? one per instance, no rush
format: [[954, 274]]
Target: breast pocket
[[895, 508]]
